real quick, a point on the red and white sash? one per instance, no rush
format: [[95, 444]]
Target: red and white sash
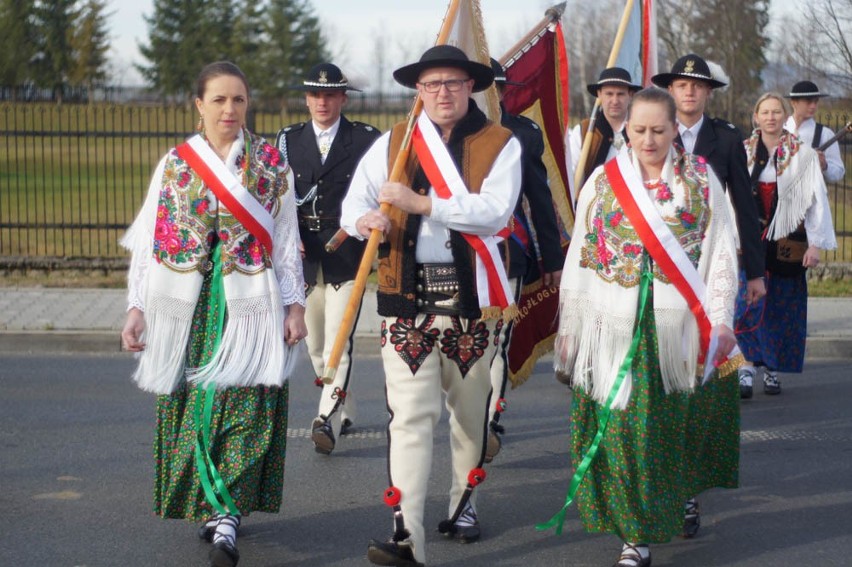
[[492, 284], [660, 242], [228, 189]]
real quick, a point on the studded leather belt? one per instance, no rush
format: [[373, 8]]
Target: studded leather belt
[[316, 224], [437, 289]]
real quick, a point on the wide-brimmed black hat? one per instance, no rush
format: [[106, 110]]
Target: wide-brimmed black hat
[[688, 67], [500, 75], [805, 89], [613, 76], [325, 77], [445, 56]]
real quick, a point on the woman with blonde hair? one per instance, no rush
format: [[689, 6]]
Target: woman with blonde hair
[[792, 203]]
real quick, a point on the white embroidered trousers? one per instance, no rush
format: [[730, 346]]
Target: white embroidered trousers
[[324, 311], [414, 402]]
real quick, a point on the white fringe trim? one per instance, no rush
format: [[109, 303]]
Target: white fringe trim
[[795, 196], [168, 322], [593, 343], [252, 351]]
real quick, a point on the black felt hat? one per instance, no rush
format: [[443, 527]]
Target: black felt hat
[[445, 56], [805, 89], [688, 67], [613, 76], [500, 75], [325, 77]]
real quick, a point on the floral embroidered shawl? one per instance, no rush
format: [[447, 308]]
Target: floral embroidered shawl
[[599, 293]]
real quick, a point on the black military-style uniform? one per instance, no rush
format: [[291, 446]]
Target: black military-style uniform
[[721, 143], [319, 215], [535, 188], [522, 265], [320, 190]]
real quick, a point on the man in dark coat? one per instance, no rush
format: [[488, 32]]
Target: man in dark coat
[[522, 265], [690, 83], [323, 154], [721, 143]]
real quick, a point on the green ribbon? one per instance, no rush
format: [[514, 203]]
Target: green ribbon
[[214, 487], [604, 412]]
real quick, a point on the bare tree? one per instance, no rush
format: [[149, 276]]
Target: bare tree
[[589, 34], [674, 29], [833, 22]]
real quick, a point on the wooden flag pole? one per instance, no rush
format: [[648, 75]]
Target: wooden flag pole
[[372, 247], [613, 56]]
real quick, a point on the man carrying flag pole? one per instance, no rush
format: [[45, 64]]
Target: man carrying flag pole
[[442, 287]]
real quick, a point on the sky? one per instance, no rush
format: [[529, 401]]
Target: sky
[[352, 27]]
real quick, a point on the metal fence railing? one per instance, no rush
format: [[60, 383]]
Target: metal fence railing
[[72, 176]]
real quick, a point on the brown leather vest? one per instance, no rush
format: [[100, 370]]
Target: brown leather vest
[[396, 261], [591, 161]]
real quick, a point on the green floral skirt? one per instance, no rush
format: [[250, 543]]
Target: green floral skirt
[[248, 438], [656, 453]]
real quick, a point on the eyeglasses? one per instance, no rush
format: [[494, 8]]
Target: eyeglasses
[[452, 85]]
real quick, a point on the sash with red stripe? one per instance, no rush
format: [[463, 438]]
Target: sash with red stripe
[[492, 284], [228, 189], [660, 242]]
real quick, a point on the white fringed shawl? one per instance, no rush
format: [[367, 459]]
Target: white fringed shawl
[[802, 194], [252, 351], [598, 308]]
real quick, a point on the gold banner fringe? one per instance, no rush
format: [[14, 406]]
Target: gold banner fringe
[[541, 348]]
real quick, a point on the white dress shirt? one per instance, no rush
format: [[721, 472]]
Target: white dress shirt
[[325, 137], [835, 170], [482, 214], [690, 135]]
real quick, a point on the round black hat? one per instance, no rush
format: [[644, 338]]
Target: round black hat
[[688, 67], [500, 74], [614, 76], [805, 89], [325, 77], [445, 56]]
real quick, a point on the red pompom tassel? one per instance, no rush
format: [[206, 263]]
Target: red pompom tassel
[[476, 476], [501, 405], [392, 496]]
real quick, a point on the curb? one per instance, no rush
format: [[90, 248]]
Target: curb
[[366, 344]]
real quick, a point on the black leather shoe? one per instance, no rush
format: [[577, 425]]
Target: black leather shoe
[[322, 436], [631, 557], [224, 555], [467, 533], [206, 532], [392, 553], [346, 426], [746, 377], [691, 521], [771, 383]]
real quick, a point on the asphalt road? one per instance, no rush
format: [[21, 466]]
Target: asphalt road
[[76, 478]]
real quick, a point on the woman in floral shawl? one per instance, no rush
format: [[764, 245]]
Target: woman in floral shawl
[[792, 204], [215, 308], [630, 343]]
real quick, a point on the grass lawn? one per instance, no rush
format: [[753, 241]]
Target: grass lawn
[[73, 176]]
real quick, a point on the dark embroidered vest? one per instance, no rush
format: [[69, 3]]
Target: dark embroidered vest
[[474, 145]]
